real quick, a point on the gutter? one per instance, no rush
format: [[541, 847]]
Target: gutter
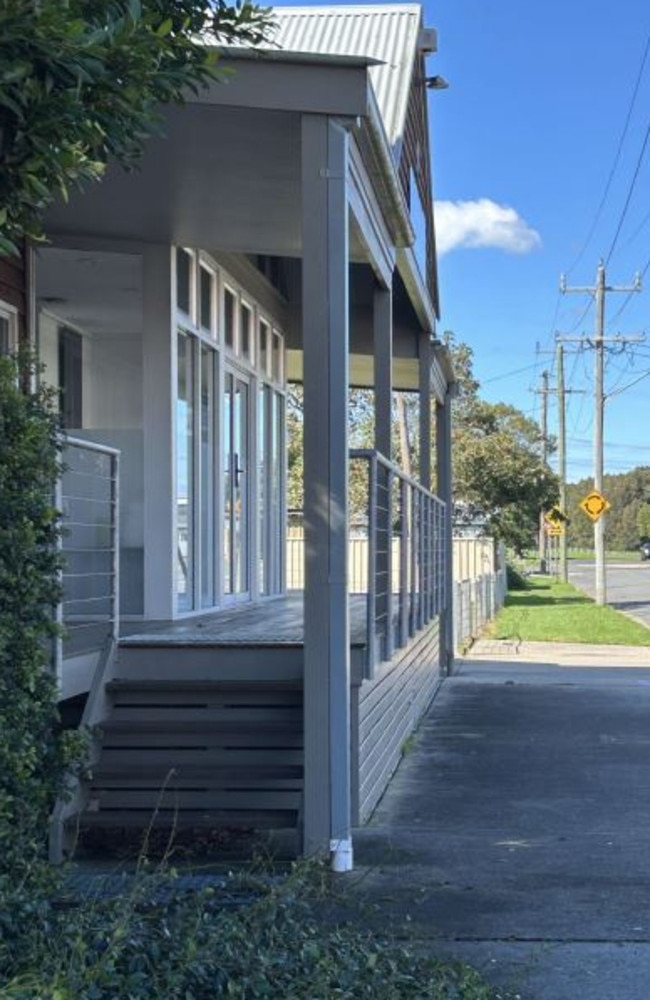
[[377, 155], [443, 357]]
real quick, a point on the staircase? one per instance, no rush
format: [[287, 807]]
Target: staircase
[[197, 736]]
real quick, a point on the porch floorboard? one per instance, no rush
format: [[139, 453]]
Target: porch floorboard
[[278, 621]]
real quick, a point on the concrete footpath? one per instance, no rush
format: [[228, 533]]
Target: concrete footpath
[[516, 832]]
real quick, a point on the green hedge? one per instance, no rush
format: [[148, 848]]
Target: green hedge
[[33, 754]]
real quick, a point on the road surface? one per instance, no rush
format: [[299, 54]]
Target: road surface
[[628, 585]]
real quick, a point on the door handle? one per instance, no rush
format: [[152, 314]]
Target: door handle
[[237, 470]]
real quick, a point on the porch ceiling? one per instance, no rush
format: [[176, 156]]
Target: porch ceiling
[[226, 177], [227, 171]]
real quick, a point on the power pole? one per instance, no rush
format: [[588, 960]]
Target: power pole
[[561, 458], [599, 426], [544, 433], [599, 292]]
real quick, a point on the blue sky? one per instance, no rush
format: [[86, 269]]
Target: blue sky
[[531, 123], [524, 141]]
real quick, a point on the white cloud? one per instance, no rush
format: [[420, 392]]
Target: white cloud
[[482, 223]]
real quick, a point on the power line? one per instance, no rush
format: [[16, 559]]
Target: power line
[[617, 157], [635, 381], [516, 371], [629, 195]]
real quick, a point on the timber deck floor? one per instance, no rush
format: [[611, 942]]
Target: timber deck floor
[[278, 621]]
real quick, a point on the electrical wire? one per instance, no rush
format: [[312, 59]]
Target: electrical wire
[[617, 157], [624, 388], [630, 192], [517, 371], [630, 295]]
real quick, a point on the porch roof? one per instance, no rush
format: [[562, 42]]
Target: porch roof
[[226, 172], [389, 34]]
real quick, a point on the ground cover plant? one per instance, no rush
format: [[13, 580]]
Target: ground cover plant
[[549, 611], [154, 942]]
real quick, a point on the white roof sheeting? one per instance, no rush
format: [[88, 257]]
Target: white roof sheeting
[[387, 32]]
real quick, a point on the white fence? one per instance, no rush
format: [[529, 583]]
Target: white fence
[[479, 585]]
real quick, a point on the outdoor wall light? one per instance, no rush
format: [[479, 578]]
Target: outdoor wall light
[[435, 83]]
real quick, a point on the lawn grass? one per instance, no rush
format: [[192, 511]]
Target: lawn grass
[[548, 611], [625, 556]]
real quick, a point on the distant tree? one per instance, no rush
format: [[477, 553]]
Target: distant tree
[[497, 466], [82, 81], [628, 495], [643, 522]]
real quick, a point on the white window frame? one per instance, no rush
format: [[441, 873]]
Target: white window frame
[[249, 367]]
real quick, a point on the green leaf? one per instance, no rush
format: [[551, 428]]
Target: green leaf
[[164, 28]]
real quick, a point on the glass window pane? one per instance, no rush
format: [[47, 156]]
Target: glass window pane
[[208, 596], [184, 476], [275, 490], [262, 473], [265, 334], [229, 303], [207, 282], [71, 377], [183, 280], [7, 341], [277, 357], [245, 327]]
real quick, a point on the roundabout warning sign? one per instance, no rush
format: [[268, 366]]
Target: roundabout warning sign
[[594, 505]]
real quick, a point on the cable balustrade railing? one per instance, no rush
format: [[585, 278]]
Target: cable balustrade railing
[[395, 553], [405, 554], [87, 496]]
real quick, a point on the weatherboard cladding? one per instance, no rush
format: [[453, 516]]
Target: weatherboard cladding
[[385, 32]]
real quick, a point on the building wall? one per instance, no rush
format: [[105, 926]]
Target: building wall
[[415, 166], [385, 711]]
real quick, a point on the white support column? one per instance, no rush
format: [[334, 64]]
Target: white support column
[[159, 389], [424, 371], [383, 357], [325, 310], [444, 492]]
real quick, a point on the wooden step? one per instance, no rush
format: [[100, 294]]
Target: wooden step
[[112, 775], [117, 759], [183, 751], [144, 819], [244, 688], [182, 799], [160, 733]]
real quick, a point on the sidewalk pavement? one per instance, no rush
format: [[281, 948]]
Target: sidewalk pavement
[[515, 834]]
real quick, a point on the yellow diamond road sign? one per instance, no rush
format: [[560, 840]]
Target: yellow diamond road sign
[[594, 505], [555, 516]]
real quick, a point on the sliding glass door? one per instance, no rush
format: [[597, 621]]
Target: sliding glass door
[[236, 509]]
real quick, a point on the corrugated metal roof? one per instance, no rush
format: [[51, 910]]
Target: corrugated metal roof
[[388, 32]]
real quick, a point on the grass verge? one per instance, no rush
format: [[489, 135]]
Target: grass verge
[[152, 943], [548, 611]]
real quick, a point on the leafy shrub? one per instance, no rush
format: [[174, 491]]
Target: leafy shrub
[[32, 752], [194, 946], [515, 579]]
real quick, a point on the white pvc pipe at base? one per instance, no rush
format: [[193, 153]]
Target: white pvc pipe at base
[[341, 855]]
